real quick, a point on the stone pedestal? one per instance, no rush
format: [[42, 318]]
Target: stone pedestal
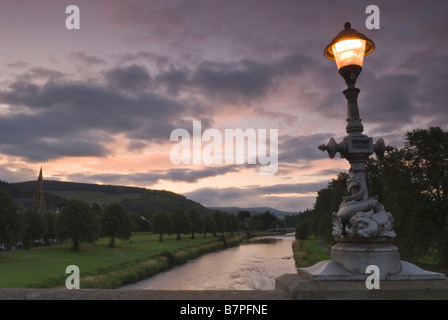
[[355, 257], [351, 257], [299, 287]]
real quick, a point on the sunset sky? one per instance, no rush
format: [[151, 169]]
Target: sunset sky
[[98, 104]]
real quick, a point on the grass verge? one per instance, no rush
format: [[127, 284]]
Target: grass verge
[[308, 252], [101, 266]]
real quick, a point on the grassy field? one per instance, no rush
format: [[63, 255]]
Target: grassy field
[[45, 266]]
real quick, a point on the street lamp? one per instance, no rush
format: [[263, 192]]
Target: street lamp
[[349, 48], [363, 230], [361, 223]]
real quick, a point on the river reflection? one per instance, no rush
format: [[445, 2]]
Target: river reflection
[[252, 266]]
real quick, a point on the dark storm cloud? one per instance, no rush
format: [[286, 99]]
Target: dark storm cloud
[[301, 148], [174, 79], [190, 176], [256, 194], [395, 106], [41, 150], [77, 118], [430, 95], [152, 177], [243, 81], [133, 77]]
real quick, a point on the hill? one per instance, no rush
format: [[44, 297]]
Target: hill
[[134, 199], [254, 210]]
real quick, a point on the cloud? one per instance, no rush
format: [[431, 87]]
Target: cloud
[[257, 196], [18, 64], [133, 78], [390, 101], [62, 118], [174, 79], [302, 148], [153, 58], [233, 80], [430, 98], [86, 59], [242, 81], [155, 176]]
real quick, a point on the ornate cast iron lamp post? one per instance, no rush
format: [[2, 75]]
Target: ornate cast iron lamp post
[[348, 48], [363, 229]]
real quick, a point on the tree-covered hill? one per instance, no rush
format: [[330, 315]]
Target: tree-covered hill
[[134, 199]]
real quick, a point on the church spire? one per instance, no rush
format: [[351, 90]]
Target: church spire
[[39, 202]]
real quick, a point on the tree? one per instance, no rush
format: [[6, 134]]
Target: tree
[[141, 221], [11, 225], [412, 183], [244, 218], [303, 227], [196, 222], [233, 224], [182, 223], [221, 221], [116, 223], [77, 222], [97, 208], [209, 225], [255, 223], [50, 220], [34, 227], [267, 218], [162, 224], [328, 201], [243, 215]]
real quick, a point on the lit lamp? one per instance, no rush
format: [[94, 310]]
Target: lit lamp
[[349, 48]]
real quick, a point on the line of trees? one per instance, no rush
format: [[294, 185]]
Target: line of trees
[[80, 222], [412, 184], [77, 222], [191, 222]]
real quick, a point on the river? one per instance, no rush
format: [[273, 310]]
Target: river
[[252, 266]]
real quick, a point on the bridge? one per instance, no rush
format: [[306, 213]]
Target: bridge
[[287, 287]]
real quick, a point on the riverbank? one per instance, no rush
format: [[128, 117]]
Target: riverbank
[[104, 267], [137, 270], [308, 252], [253, 265]]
